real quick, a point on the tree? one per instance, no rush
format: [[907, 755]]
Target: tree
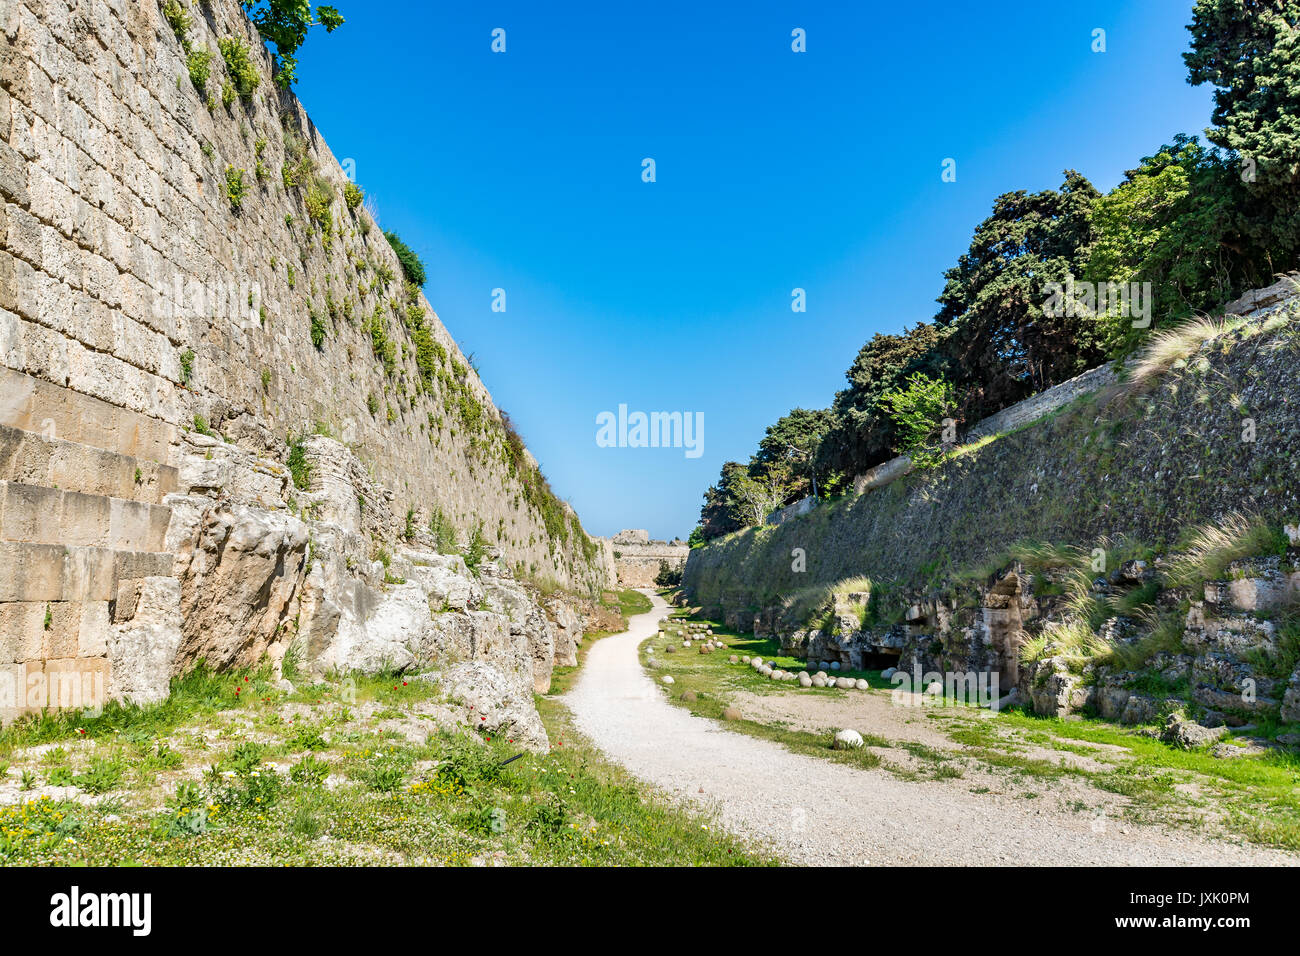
[[1176, 222], [668, 576], [918, 411], [721, 513], [861, 432], [1001, 346], [285, 23], [1249, 51], [758, 495], [790, 447]]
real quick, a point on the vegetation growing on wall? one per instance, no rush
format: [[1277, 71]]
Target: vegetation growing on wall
[[285, 24], [412, 267]]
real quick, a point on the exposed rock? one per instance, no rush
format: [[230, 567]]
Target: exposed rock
[[501, 703], [240, 567], [847, 740], [1290, 712], [143, 641], [732, 713], [1187, 734]]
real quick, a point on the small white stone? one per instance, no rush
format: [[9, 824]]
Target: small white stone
[[847, 740]]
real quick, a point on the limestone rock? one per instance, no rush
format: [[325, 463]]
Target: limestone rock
[[502, 703], [847, 740], [239, 571], [1290, 712], [142, 647], [1187, 734]]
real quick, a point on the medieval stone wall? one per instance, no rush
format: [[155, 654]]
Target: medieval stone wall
[[172, 310]]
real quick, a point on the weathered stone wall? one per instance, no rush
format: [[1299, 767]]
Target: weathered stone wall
[[637, 558], [156, 351], [1144, 468], [122, 253]]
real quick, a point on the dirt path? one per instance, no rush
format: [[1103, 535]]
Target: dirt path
[[816, 812]]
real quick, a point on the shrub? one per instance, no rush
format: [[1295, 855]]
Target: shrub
[[477, 548], [319, 198], [199, 63], [180, 20], [235, 188], [317, 330], [352, 195], [411, 264], [668, 577], [187, 366], [443, 531], [299, 466], [243, 73]]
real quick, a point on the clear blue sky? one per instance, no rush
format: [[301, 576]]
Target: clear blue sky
[[775, 170]]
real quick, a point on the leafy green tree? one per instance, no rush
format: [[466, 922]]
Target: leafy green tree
[[721, 513], [861, 433], [285, 23], [1176, 222], [919, 410], [1001, 345], [1248, 50], [791, 445], [758, 492]]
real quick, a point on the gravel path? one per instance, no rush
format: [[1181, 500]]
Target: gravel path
[[812, 811]]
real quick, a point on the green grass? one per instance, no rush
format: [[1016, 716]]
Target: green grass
[[1258, 793], [188, 782]]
